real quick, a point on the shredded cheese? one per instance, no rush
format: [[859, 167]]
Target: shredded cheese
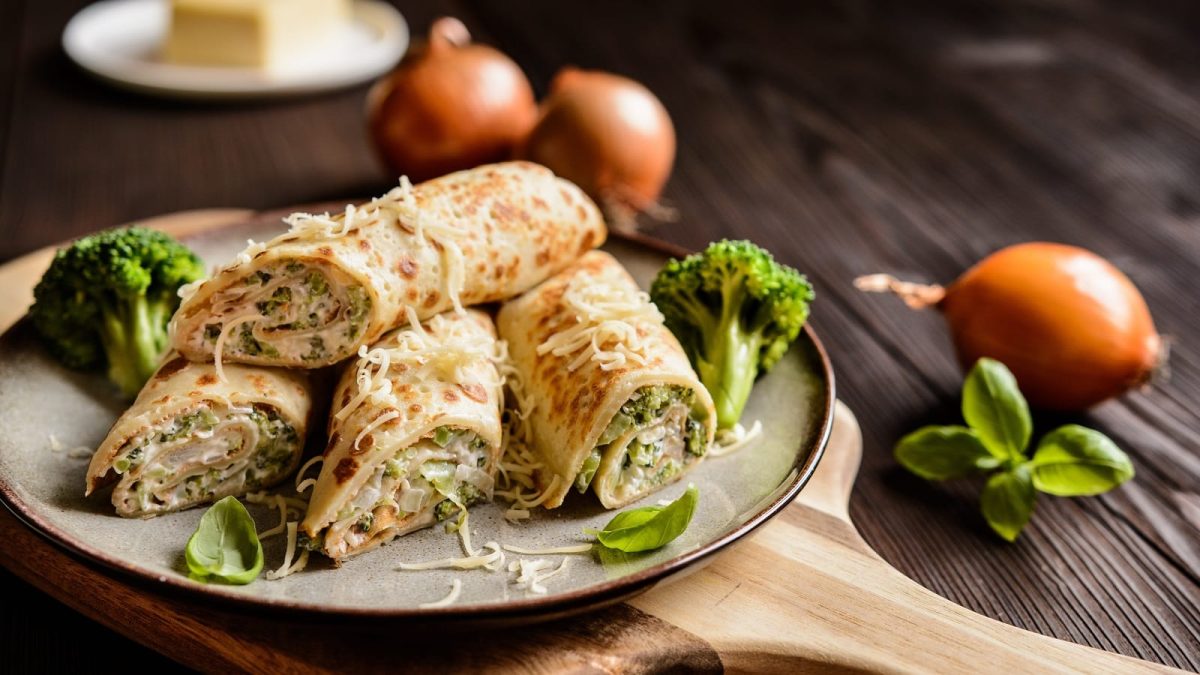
[[581, 548], [531, 573], [293, 504], [455, 591], [319, 459], [286, 568], [416, 348], [729, 441], [375, 424], [77, 452], [464, 530], [516, 515], [605, 328], [282, 526], [225, 331], [489, 561], [189, 289], [371, 379]]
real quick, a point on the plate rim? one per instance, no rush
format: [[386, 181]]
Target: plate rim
[[375, 12], [547, 607]]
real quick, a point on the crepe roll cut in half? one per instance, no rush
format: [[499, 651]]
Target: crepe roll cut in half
[[414, 434], [616, 407], [312, 296], [191, 438]]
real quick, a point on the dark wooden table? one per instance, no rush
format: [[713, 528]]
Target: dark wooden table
[[909, 137]]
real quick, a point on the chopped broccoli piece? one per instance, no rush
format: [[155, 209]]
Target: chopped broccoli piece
[[360, 306], [442, 436], [444, 509], [278, 300], [316, 283], [648, 403], [393, 468], [736, 311], [316, 348], [616, 428], [468, 494], [365, 522], [643, 454], [588, 471], [250, 344], [106, 299], [696, 437]]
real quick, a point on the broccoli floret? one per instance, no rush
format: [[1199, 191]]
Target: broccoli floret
[[106, 299], [736, 311]]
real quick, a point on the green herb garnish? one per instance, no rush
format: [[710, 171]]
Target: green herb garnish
[[650, 527], [225, 546], [1071, 461]]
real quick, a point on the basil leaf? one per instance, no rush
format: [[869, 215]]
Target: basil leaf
[[1074, 461], [994, 408], [225, 545], [939, 453], [1007, 501], [650, 527]]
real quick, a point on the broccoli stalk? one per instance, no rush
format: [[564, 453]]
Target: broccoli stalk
[[736, 311], [105, 302]]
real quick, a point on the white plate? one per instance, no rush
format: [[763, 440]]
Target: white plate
[[119, 41]]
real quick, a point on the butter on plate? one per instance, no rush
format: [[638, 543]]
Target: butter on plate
[[266, 34]]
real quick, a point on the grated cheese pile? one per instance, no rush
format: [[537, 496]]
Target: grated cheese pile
[[402, 203], [423, 357], [605, 328], [531, 573]]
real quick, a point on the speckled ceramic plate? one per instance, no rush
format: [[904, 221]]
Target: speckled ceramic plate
[[738, 493]]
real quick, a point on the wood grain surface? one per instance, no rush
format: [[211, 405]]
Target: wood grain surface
[[849, 137]]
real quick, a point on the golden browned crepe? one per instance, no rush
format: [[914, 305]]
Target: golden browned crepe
[[617, 407], [311, 297], [190, 438], [414, 434]]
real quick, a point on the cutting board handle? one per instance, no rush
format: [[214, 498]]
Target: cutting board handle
[[808, 591]]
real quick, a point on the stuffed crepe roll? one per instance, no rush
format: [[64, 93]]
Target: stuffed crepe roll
[[414, 434], [191, 438], [311, 297], [616, 405]]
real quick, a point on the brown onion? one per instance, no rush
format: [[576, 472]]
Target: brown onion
[[449, 105], [607, 134], [1072, 328]]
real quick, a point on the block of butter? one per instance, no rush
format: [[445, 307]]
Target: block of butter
[[268, 34]]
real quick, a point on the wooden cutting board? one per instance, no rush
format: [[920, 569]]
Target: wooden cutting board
[[803, 593]]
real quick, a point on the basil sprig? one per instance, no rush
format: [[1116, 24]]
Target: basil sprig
[[225, 546], [1071, 461], [650, 527]]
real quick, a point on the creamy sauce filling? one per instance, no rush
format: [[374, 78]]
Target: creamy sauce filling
[[306, 316], [202, 455], [423, 483], [654, 454]]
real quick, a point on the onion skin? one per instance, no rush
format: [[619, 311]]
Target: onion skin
[[1071, 327], [449, 105], [607, 134]]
